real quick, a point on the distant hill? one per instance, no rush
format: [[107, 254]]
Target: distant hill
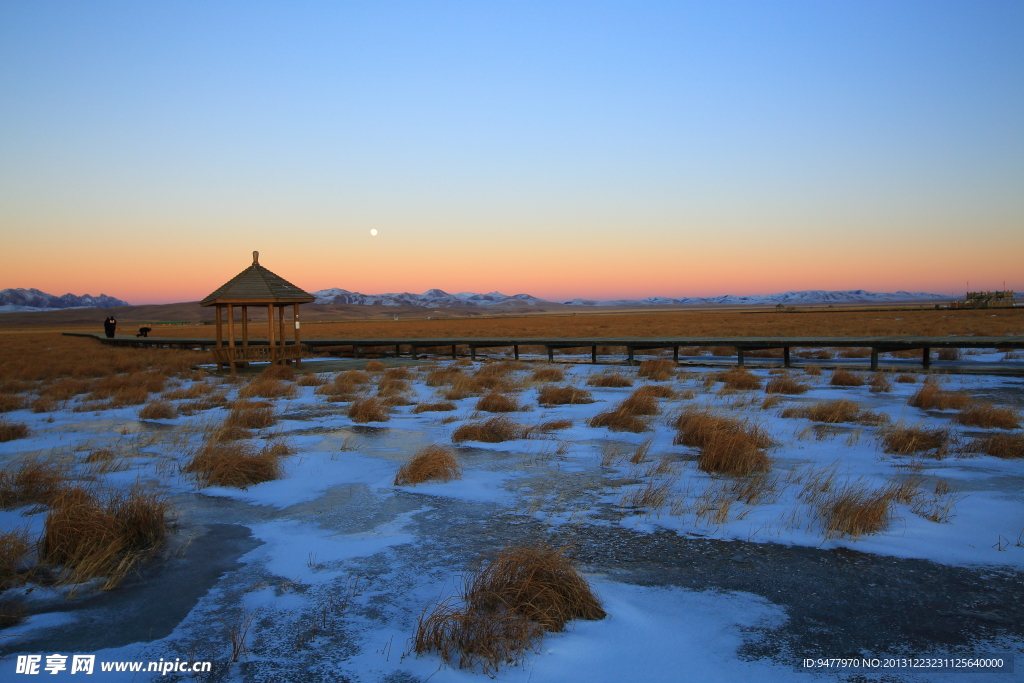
[[15, 300], [341, 304], [436, 298]]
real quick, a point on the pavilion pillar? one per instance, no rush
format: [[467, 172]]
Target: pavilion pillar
[[739, 356], [515, 350], [270, 331], [280, 325], [231, 337], [220, 328], [785, 356], [245, 327], [593, 354], [675, 354], [298, 334], [874, 358], [926, 357]]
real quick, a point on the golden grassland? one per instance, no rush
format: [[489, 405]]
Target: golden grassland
[[715, 323]]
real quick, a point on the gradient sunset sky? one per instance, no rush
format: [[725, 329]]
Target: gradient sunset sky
[[563, 149]]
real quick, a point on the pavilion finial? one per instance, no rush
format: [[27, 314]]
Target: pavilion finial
[[255, 258]]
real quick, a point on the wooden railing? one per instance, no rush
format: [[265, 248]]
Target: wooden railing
[[228, 354]]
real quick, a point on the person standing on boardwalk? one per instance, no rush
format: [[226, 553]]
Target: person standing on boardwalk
[[109, 325]]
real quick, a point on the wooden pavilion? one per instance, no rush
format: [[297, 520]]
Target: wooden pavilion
[[257, 286]]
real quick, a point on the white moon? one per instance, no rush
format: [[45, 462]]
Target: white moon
[[373, 232]]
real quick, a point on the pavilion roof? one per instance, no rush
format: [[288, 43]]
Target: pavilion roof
[[257, 285]]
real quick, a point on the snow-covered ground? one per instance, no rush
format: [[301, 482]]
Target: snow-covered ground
[[341, 562]]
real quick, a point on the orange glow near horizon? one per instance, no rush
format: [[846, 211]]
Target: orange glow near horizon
[[555, 269]]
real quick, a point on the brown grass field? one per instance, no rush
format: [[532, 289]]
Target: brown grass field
[[691, 323]]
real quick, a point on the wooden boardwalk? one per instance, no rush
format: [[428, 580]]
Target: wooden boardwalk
[[630, 345]]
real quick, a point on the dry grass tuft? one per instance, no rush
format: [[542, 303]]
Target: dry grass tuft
[[618, 422], [880, 383], [845, 378], [559, 396], [812, 370], [31, 481], [392, 387], [433, 462], [440, 407], [949, 354], [374, 366], [655, 391], [352, 377], [739, 379], [9, 403], [236, 464], [784, 384], [227, 432], [610, 379], [548, 373], [1007, 446], [652, 496], [840, 410], [906, 378], [553, 425], [368, 410], [443, 376], [639, 403], [770, 401], [14, 546], [194, 391], [158, 410], [727, 445], [463, 386], [658, 370], [493, 430], [902, 440], [506, 608], [931, 397], [92, 535], [497, 403], [345, 386], [9, 431], [856, 510], [988, 416], [100, 455], [262, 387], [311, 379], [251, 415], [398, 373], [43, 404]]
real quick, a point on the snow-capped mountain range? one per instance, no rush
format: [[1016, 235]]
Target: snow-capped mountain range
[[13, 300], [436, 298]]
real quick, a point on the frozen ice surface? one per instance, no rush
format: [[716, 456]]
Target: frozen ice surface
[[343, 562]]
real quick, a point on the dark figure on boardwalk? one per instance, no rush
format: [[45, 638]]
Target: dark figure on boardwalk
[[109, 325], [144, 331]]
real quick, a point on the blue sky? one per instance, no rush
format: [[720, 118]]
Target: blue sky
[[565, 149]]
